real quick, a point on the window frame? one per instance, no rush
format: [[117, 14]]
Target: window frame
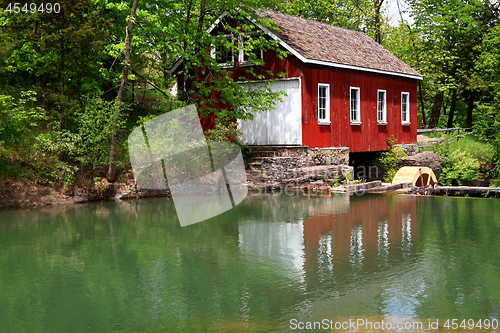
[[357, 120], [213, 53], [326, 120], [407, 121], [382, 121], [241, 52]]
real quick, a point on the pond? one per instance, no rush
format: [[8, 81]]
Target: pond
[[275, 263]]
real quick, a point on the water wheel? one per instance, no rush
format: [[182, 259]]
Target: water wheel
[[419, 176]]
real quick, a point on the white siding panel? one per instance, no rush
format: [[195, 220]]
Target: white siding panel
[[282, 126]]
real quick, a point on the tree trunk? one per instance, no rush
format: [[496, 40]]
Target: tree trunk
[[378, 28], [62, 116], [470, 107], [452, 109], [121, 92], [422, 103], [436, 109]]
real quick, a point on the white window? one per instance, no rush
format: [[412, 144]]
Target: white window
[[381, 107], [223, 53], [324, 103], [354, 97], [405, 108], [244, 56]]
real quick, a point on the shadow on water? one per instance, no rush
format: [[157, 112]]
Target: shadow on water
[[128, 266]]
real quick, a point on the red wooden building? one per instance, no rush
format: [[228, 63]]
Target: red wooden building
[[344, 89]]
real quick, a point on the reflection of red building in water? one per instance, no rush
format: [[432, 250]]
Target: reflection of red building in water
[[334, 233], [379, 218], [370, 227]]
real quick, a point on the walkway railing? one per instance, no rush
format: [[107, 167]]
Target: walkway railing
[[448, 130], [431, 130]]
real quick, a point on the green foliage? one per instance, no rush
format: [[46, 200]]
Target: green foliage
[[224, 133], [458, 167], [360, 15], [487, 127], [66, 47], [487, 79], [65, 145], [229, 133], [446, 43], [335, 182], [391, 159], [437, 148], [496, 172], [95, 126], [466, 160], [18, 116], [481, 151]]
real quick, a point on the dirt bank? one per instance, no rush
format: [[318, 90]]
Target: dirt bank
[[17, 194]]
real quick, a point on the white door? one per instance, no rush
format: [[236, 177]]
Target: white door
[[281, 126]]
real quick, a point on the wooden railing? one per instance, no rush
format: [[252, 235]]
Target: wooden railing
[[432, 130], [458, 136]]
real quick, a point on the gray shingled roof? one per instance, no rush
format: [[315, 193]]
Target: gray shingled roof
[[323, 42]]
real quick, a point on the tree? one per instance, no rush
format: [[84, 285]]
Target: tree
[[58, 54], [202, 80], [487, 80], [361, 15], [402, 41], [448, 32], [121, 91]]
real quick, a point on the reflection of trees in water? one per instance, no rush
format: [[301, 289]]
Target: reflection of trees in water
[[130, 266], [460, 250]]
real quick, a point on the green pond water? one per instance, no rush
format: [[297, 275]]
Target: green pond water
[[273, 264]]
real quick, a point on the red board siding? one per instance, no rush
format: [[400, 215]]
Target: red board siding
[[369, 136]]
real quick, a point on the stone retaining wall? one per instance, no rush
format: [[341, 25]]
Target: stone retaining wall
[[328, 156]]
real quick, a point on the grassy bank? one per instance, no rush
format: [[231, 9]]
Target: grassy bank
[[467, 161]]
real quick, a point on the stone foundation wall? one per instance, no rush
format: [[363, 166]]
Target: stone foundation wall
[[328, 156], [281, 151], [308, 156]]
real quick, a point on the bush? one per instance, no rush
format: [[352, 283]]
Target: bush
[[466, 160], [391, 159], [486, 128], [53, 155], [224, 133], [95, 127], [229, 133], [16, 117], [459, 166]]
